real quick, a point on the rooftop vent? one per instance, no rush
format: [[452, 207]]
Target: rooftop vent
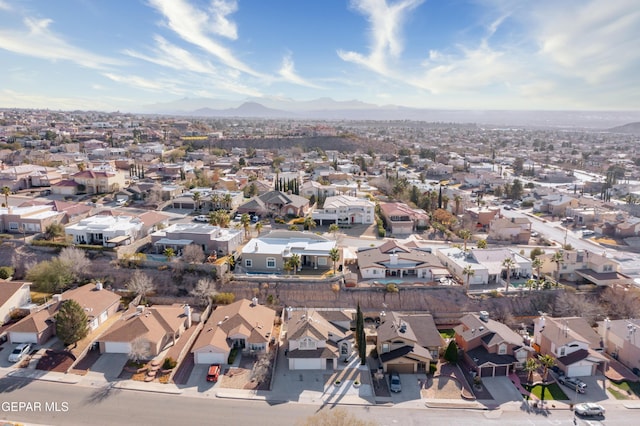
[[484, 316]]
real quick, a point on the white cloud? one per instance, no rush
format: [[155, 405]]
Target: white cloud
[[145, 83], [196, 27], [172, 56], [288, 72], [385, 32], [40, 42], [591, 40], [4, 5]]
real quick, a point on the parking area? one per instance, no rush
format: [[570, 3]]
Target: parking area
[[110, 365], [594, 393], [501, 389], [411, 388]]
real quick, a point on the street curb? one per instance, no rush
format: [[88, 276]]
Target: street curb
[[63, 378], [127, 386]]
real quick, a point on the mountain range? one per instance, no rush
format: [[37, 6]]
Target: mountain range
[[329, 109]]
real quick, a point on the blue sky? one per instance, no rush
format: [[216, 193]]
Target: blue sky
[[451, 54]]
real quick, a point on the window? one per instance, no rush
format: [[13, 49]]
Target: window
[[563, 351], [385, 348], [322, 261], [502, 349], [248, 263], [306, 343], [607, 268], [271, 262]]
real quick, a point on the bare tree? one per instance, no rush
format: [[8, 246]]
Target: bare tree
[[261, 369], [193, 253], [76, 260], [203, 290], [621, 303], [140, 283], [569, 304], [139, 350]]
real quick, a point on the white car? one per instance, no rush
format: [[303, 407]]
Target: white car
[[201, 218], [589, 409], [20, 352]]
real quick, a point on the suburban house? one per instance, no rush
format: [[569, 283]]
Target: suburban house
[[314, 342], [105, 230], [37, 327], [457, 261], [73, 212], [407, 343], [555, 204], [28, 219], [516, 230], [244, 325], [583, 266], [153, 221], [621, 340], [345, 210], [275, 203], [402, 219], [268, 253], [146, 330], [26, 176], [212, 239], [630, 227], [482, 216], [490, 347], [574, 344], [13, 295], [393, 259], [98, 181]]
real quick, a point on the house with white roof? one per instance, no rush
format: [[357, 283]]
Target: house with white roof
[[487, 264], [345, 210], [28, 219], [105, 230], [268, 253], [456, 261], [212, 239]]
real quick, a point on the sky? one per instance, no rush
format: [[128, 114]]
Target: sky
[[447, 54]]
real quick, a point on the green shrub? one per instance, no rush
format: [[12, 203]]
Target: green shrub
[[224, 298], [169, 363], [451, 354], [6, 272], [232, 355]]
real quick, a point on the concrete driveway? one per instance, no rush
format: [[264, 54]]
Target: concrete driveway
[[110, 365], [410, 388], [501, 389], [594, 393]]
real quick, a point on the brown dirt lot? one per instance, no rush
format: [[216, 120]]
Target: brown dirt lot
[[240, 377], [58, 361]]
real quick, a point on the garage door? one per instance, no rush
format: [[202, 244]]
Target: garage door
[[579, 370], [307, 363], [210, 358], [116, 348], [486, 372], [501, 370], [400, 368], [18, 337]]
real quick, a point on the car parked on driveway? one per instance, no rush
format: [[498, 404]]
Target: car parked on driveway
[[573, 383], [201, 218], [213, 373], [20, 352], [394, 383], [589, 409]]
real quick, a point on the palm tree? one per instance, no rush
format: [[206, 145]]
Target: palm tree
[[558, 259], [445, 201], [530, 284], [334, 228], [530, 366], [468, 272], [547, 362], [245, 220], [457, 199], [294, 262], [508, 263], [537, 264], [6, 191], [196, 199], [465, 235], [334, 255], [309, 223], [215, 200], [227, 200], [170, 253], [293, 227], [219, 218], [258, 227]]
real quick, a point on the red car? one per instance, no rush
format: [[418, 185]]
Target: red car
[[213, 373]]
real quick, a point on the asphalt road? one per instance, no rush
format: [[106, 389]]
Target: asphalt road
[[62, 404]]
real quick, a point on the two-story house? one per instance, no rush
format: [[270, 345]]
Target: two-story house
[[572, 342], [406, 344], [621, 339], [584, 266], [314, 342], [99, 181], [490, 347], [402, 219], [516, 230], [345, 210], [212, 239]]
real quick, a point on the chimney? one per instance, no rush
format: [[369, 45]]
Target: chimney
[[393, 259], [98, 285], [187, 312], [56, 298]]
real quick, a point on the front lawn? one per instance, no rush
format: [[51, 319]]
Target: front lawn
[[551, 392], [624, 390]]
